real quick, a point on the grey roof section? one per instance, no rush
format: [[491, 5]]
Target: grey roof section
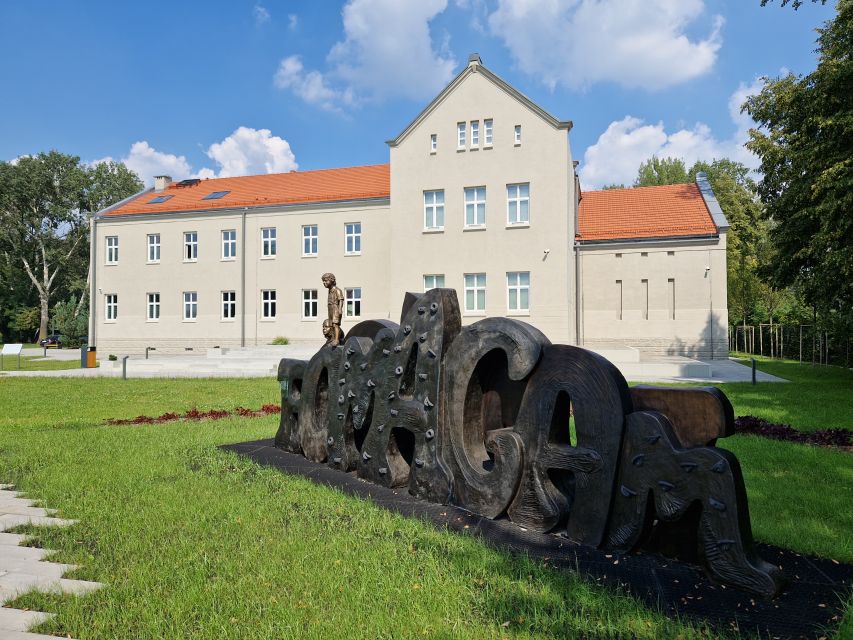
[[100, 214], [711, 201], [475, 65]]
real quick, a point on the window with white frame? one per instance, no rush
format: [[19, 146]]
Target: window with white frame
[[434, 209], [433, 142], [518, 203], [229, 244], [269, 242], [190, 246], [309, 240], [517, 134], [153, 247], [112, 249], [268, 304], [111, 307], [352, 234], [475, 133], [153, 307], [229, 305], [475, 206], [460, 135], [353, 302], [475, 292], [488, 134], [433, 281], [518, 291], [309, 303], [190, 306]]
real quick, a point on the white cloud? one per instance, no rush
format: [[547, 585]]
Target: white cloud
[[634, 43], [147, 162], [260, 14], [625, 144], [387, 52], [292, 21]]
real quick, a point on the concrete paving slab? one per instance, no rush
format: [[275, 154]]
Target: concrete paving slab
[[20, 620], [23, 510], [16, 554], [24, 635], [13, 520], [11, 540]]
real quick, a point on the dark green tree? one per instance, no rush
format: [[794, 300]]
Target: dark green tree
[[659, 171]]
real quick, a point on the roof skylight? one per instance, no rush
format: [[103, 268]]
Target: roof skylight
[[216, 195], [158, 200]]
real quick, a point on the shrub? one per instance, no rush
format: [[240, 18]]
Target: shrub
[[279, 340], [112, 357]]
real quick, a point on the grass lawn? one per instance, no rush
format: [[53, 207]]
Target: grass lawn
[[36, 363], [198, 543]]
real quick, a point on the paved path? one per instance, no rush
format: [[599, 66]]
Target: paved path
[[23, 569]]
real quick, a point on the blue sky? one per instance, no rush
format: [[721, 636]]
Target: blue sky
[[233, 87]]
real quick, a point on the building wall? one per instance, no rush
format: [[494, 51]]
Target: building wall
[[698, 325], [288, 273], [543, 159]]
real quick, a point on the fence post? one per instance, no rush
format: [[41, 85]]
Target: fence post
[[124, 367], [753, 371]]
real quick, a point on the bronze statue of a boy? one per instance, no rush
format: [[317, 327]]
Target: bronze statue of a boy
[[332, 326]]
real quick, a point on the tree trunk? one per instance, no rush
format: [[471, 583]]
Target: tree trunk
[[45, 308]]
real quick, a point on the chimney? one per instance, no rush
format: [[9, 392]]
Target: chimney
[[161, 182], [474, 59]]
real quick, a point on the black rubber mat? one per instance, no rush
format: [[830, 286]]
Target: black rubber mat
[[810, 606]]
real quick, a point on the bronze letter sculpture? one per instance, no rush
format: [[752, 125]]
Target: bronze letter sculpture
[[332, 325], [495, 419]]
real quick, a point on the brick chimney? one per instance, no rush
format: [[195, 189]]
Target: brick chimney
[[161, 182]]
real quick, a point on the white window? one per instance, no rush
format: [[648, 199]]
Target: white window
[[268, 304], [112, 249], [153, 247], [268, 242], [475, 292], [434, 209], [518, 291], [309, 240], [433, 281], [353, 300], [475, 133], [518, 203], [111, 307], [433, 143], [353, 238], [190, 306], [229, 305], [229, 244], [517, 134], [487, 132], [309, 303], [190, 246], [460, 132], [153, 307], [475, 206]]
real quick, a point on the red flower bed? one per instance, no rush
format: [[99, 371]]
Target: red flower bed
[[766, 429], [195, 414]]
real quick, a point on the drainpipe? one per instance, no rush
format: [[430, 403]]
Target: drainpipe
[[243, 278], [93, 285], [578, 338]]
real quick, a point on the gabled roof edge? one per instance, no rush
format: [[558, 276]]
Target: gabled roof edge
[[478, 67], [711, 201], [106, 210]]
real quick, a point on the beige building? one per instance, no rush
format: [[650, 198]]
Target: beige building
[[480, 195]]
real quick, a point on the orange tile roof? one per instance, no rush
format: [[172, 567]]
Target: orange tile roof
[[675, 210], [296, 187]]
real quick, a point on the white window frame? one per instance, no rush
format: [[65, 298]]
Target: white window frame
[[311, 298], [515, 284], [311, 240], [352, 296], [352, 232], [111, 254], [190, 306], [476, 284], [269, 304], [517, 135], [431, 281], [513, 195], [475, 134], [461, 136], [229, 244], [431, 210], [477, 202], [152, 306], [488, 132], [269, 242], [154, 247], [433, 142], [228, 310], [110, 307], [191, 243]]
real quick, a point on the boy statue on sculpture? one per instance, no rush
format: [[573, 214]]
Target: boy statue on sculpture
[[332, 330]]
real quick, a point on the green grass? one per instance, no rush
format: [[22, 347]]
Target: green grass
[[35, 363], [194, 542]]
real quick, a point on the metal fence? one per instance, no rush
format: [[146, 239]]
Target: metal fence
[[803, 342]]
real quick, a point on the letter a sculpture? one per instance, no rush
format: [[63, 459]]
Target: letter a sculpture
[[495, 419]]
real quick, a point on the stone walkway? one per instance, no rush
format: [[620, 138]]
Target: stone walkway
[[23, 569]]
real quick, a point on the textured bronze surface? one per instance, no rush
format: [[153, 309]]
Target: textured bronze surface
[[495, 419]]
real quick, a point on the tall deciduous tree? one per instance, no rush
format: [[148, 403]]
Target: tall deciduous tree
[[805, 144], [659, 171]]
